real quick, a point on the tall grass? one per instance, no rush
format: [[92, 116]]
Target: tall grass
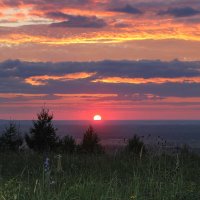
[[100, 177]]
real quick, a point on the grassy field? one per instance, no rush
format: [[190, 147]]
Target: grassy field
[[100, 177]]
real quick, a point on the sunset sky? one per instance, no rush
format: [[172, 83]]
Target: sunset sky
[[122, 59]]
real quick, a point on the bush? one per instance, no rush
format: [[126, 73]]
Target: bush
[[90, 143], [67, 144], [10, 139], [42, 136], [185, 149], [135, 145]]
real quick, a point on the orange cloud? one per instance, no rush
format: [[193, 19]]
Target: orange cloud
[[76, 11], [43, 80], [20, 15], [149, 30], [13, 95], [90, 38], [148, 80], [87, 95]]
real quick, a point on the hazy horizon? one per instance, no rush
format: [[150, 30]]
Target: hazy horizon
[[113, 133]]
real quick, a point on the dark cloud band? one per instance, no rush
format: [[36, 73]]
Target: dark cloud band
[[180, 12], [173, 78]]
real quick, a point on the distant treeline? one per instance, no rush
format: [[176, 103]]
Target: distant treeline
[[42, 138]]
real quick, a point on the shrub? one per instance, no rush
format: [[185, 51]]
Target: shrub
[[136, 145], [90, 143], [185, 149], [42, 136], [67, 144]]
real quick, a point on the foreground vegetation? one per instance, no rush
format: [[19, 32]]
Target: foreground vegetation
[[43, 166], [100, 177]]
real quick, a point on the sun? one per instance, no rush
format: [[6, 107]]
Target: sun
[[97, 118]]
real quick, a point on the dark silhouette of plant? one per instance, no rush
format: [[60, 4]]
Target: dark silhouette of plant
[[136, 145], [10, 139], [67, 144], [42, 136], [90, 143], [185, 149]]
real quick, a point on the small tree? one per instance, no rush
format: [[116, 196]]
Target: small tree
[[135, 145], [10, 139], [42, 136], [68, 144], [90, 143]]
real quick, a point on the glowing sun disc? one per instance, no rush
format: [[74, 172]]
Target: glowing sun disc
[[97, 118]]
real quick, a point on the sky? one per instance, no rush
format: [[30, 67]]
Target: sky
[[122, 59]]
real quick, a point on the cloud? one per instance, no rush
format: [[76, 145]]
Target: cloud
[[9, 21], [8, 98], [58, 15], [158, 78], [127, 9], [131, 69], [136, 97], [180, 12], [72, 87], [189, 20], [76, 21], [43, 80], [138, 81], [56, 4], [122, 25]]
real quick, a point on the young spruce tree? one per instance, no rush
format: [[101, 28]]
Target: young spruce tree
[[42, 136], [90, 143], [10, 140]]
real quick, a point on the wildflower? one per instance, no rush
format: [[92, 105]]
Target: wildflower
[[52, 182], [133, 197], [141, 151], [59, 163], [46, 165], [47, 171], [36, 183], [177, 162]]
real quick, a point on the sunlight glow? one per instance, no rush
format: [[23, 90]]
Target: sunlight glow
[[97, 118]]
